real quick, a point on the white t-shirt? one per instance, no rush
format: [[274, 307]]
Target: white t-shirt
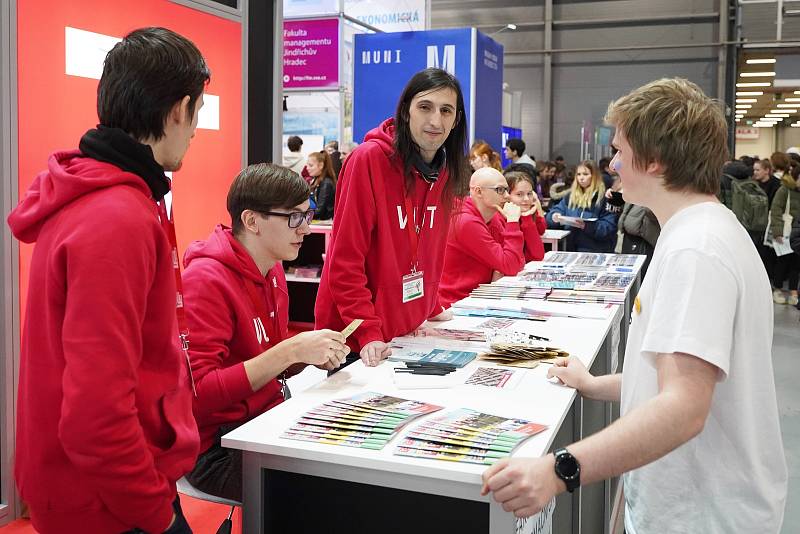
[[706, 294]]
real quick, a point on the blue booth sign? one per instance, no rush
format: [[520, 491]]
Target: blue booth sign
[[385, 62]]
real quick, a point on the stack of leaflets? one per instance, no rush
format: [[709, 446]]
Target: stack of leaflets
[[582, 296], [511, 290], [367, 420], [522, 355], [447, 358], [466, 436]]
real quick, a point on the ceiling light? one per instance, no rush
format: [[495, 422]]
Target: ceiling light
[[792, 99], [760, 61], [787, 105], [763, 125], [749, 93], [797, 92], [744, 106], [745, 100], [756, 74], [757, 84]]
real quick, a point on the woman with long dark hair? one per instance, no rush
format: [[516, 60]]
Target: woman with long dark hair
[[323, 183], [392, 216]]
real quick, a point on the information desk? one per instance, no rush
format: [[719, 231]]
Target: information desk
[[296, 486]]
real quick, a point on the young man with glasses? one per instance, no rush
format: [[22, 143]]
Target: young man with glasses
[[237, 310], [485, 240]]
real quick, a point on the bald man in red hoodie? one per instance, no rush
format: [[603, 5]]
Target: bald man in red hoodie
[[485, 238], [391, 218]]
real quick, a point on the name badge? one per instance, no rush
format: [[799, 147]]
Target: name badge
[[413, 287]]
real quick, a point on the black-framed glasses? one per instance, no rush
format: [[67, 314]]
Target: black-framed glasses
[[499, 189], [296, 218]]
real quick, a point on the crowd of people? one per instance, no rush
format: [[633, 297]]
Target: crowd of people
[[131, 371]]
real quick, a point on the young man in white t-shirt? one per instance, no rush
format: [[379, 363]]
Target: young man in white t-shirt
[[698, 441]]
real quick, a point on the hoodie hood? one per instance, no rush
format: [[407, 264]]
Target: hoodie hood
[[69, 175], [221, 246], [292, 158], [383, 135]]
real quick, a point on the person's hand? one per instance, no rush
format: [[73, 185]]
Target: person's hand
[[778, 239], [579, 223], [523, 486], [373, 352], [557, 218], [571, 372], [608, 194], [323, 348], [497, 275], [446, 315], [511, 212]]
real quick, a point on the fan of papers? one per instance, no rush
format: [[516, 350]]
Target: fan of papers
[[521, 354], [466, 436], [367, 420]]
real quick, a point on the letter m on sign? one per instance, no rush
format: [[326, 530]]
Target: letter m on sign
[[447, 63]]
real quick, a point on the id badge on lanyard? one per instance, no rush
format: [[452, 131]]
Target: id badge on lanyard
[[413, 282]]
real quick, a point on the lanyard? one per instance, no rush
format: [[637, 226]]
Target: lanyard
[[257, 299], [273, 332], [168, 224], [415, 230]]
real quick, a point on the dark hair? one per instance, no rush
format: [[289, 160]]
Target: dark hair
[[333, 144], [747, 160], [144, 76], [262, 187], [455, 145], [327, 165], [294, 143], [604, 163], [515, 177], [517, 145], [527, 168]]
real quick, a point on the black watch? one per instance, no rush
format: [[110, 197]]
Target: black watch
[[568, 469]]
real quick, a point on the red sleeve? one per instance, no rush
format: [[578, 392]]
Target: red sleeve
[[541, 223], [354, 221], [211, 322], [475, 240], [109, 278], [532, 228]]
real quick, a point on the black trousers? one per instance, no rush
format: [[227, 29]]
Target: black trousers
[[179, 526], [218, 470]]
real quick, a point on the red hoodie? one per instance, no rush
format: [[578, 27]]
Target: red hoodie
[[104, 414], [533, 226], [475, 249], [225, 330], [370, 251]]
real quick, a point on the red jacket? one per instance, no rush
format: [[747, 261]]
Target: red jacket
[[104, 415], [533, 226], [475, 249], [370, 251], [225, 330]]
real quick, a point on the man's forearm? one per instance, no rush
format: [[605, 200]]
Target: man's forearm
[[642, 436], [603, 388]]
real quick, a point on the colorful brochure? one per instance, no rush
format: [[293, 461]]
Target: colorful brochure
[[455, 358]]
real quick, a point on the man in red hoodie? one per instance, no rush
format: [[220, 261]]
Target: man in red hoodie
[[485, 238], [104, 417], [237, 310], [391, 217]]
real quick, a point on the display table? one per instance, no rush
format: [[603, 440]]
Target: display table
[[268, 458], [292, 486]]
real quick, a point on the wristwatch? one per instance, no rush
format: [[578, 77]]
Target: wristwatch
[[567, 468]]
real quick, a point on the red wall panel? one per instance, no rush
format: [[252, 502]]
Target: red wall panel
[[55, 109]]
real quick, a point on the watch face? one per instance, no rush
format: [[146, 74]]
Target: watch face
[[568, 466]]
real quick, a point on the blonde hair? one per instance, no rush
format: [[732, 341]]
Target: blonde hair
[[582, 198], [673, 123]]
